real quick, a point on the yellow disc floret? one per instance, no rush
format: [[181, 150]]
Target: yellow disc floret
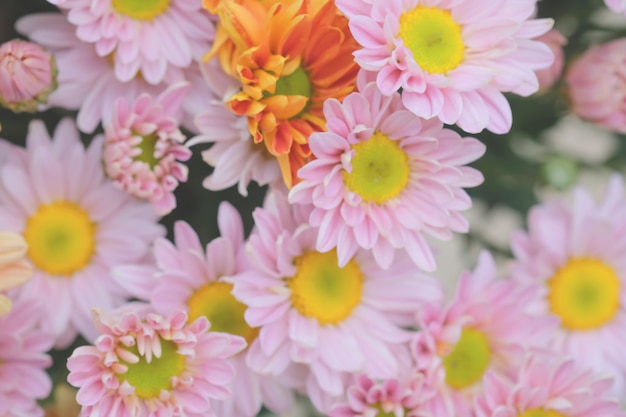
[[324, 291], [433, 37], [584, 294], [380, 169], [61, 238], [216, 302], [141, 9], [469, 359], [540, 412]]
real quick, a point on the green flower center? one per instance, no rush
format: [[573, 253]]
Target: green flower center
[[141, 9], [148, 147], [295, 84], [469, 359]]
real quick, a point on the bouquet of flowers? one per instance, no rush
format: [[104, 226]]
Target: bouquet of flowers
[[373, 208]]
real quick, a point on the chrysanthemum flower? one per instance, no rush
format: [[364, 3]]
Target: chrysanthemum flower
[[236, 159], [144, 147], [574, 255], [452, 59], [483, 328], [547, 386], [87, 82], [155, 39], [382, 177], [312, 311], [289, 57], [152, 365], [76, 223], [596, 88], [14, 268], [618, 6], [27, 75], [23, 360], [198, 281]]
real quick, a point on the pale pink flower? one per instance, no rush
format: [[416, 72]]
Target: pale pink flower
[[482, 328], [86, 81], [383, 177], [618, 6], [574, 256], [547, 386], [14, 268], [596, 85], [555, 41], [23, 360], [77, 224], [311, 311], [199, 281], [233, 154], [482, 48], [157, 39], [144, 147], [27, 75], [145, 365]]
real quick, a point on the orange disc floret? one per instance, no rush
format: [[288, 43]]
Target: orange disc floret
[[290, 56]]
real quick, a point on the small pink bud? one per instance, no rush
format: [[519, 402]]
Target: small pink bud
[[555, 41]]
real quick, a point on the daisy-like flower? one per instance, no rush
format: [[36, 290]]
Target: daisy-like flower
[[155, 39], [14, 268], [77, 225], [23, 360], [27, 75], [483, 328], [618, 6], [198, 281], [547, 386], [289, 57], [336, 320], [152, 365], [382, 177], [86, 81], [452, 59], [144, 147], [574, 255], [236, 159]]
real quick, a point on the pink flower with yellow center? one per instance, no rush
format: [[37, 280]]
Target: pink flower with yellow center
[[144, 147], [383, 177], [151, 365], [452, 59], [14, 268], [573, 255], [156, 39]]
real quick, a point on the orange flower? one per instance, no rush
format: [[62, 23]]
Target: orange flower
[[290, 56]]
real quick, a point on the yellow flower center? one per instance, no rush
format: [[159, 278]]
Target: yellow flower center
[[382, 413], [469, 359], [433, 37], [216, 302], [380, 169], [147, 147], [141, 9], [584, 294], [324, 291], [61, 238], [540, 412], [150, 378]]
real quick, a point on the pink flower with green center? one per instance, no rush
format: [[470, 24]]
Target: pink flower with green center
[[151, 365], [452, 59]]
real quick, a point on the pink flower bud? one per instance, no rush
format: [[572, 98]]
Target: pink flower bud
[[555, 41]]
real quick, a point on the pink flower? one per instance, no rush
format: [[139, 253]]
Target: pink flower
[[157, 39], [555, 41], [23, 360], [151, 365], [76, 223], [482, 48], [547, 386], [618, 6], [335, 320], [14, 268], [596, 87], [383, 177], [27, 75], [483, 328], [144, 145], [574, 256]]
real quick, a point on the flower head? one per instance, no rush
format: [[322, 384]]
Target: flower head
[[144, 146], [14, 268], [618, 6], [27, 75], [452, 59], [382, 177], [145, 365]]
